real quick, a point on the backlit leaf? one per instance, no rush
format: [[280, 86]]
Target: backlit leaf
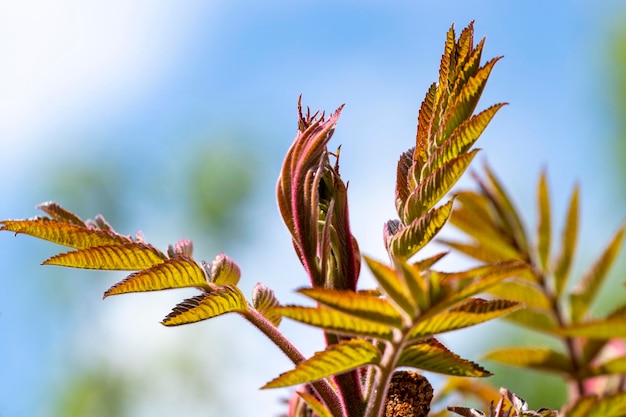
[[391, 284], [477, 280], [462, 139], [335, 321], [581, 406], [569, 237], [486, 234], [612, 405], [465, 103], [432, 356], [316, 405], [473, 312], [586, 290], [65, 234], [403, 188], [545, 225], [177, 272], [264, 301], [364, 306], [474, 250], [614, 366], [60, 214], [432, 188], [336, 359], [535, 358], [535, 318], [597, 329], [131, 256], [221, 300], [428, 263], [523, 291], [422, 230], [505, 209]]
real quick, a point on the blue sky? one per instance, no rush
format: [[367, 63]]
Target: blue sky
[[135, 82]]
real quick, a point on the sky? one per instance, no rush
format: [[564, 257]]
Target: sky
[[141, 83]]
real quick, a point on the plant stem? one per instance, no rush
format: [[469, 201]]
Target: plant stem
[[376, 408], [322, 387]]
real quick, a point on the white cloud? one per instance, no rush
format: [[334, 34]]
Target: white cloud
[[62, 60]]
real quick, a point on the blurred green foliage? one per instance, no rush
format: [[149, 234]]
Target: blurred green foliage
[[207, 187]]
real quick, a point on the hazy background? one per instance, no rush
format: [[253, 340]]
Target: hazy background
[[173, 117]]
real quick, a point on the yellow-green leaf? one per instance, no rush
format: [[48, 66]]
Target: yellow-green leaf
[[316, 405], [473, 312], [131, 256], [335, 321], [535, 318], [392, 285], [365, 306], [433, 356], [581, 407], [536, 358], [587, 289], [336, 359], [422, 230], [486, 233], [474, 250], [523, 291], [221, 300], [476, 280], [613, 366], [177, 272], [428, 263], [612, 405], [597, 329], [505, 209], [569, 237], [264, 301], [65, 234], [545, 224]]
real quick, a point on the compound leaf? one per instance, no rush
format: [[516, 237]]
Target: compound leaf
[[177, 272], [220, 300], [336, 359]]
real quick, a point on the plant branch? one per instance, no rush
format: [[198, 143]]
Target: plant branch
[[322, 387]]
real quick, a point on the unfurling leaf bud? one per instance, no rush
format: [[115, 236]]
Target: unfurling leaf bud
[[182, 247], [224, 271]]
